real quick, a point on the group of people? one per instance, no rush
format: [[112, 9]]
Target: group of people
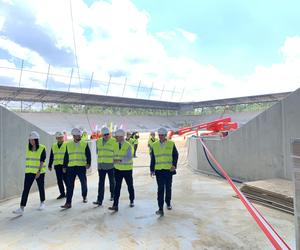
[[115, 158]]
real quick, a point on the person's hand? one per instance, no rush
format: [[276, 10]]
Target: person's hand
[[64, 170], [37, 175], [173, 168], [117, 160], [152, 174], [50, 168], [88, 166]]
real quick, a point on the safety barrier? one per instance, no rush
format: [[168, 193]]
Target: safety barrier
[[265, 226]]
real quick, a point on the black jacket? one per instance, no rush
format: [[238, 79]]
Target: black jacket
[[174, 159]]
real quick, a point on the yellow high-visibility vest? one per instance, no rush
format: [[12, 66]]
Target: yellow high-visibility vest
[[163, 155], [77, 153], [84, 136], [120, 153], [59, 153], [33, 160], [150, 143], [105, 152], [135, 141]]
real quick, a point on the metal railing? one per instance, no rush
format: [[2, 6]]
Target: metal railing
[[22, 76]]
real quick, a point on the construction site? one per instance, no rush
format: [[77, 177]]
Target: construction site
[[195, 104], [237, 184]]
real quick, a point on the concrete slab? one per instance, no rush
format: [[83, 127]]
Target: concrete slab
[[205, 216]]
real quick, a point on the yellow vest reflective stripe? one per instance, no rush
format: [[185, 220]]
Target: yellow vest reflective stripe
[[105, 152], [120, 153], [33, 159], [163, 155], [58, 153], [76, 153]]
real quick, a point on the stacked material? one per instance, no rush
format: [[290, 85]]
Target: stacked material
[[273, 193]]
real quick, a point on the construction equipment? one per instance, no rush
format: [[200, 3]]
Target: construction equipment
[[219, 127]]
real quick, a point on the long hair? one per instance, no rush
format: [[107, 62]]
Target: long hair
[[37, 144]]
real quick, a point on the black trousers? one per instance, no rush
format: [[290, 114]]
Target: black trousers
[[28, 181], [127, 175], [101, 184], [135, 146], [61, 178], [72, 172], [164, 185]]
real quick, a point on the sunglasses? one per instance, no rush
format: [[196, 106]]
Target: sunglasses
[[106, 134]]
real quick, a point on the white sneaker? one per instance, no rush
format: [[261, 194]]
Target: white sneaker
[[42, 206], [19, 211]]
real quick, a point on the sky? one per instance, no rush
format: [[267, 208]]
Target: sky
[[189, 50]]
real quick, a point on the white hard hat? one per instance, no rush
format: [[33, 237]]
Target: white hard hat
[[34, 135], [76, 131], [59, 134], [104, 130], [162, 131], [120, 132]]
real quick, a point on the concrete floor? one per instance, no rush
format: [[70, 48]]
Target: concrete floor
[[205, 216]]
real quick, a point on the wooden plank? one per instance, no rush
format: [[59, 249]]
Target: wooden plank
[[270, 201], [280, 188]]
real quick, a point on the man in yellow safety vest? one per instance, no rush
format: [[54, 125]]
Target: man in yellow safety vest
[[164, 157], [151, 140], [105, 152], [57, 154], [77, 160], [123, 169]]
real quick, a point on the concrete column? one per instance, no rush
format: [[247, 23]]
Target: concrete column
[[1, 156], [295, 148]]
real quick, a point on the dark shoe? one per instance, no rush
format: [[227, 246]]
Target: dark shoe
[[169, 207], [97, 203], [160, 212], [61, 196], [114, 208], [131, 204], [66, 206], [84, 200]]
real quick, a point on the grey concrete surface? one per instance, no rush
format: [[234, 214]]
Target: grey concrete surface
[[14, 132], [51, 122], [258, 150], [205, 216]]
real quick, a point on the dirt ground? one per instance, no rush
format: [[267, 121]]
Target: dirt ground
[[205, 216]]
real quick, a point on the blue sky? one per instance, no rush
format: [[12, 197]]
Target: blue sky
[[210, 49], [229, 31]]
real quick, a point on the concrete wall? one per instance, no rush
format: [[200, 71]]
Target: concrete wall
[[258, 150], [14, 132]]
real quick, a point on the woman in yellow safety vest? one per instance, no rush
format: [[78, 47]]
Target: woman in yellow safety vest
[[34, 170]]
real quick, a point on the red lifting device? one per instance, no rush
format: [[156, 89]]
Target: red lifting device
[[217, 127]]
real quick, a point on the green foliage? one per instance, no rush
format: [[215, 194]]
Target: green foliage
[[108, 110]]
